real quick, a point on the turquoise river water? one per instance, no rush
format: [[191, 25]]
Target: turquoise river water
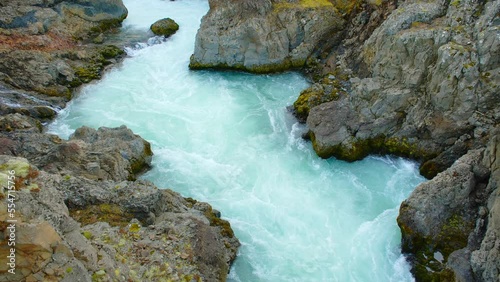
[[227, 138]]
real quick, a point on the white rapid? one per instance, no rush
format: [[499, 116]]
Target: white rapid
[[226, 138]]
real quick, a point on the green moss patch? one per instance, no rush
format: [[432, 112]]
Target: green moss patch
[[303, 4], [361, 148], [452, 236], [224, 225], [110, 213], [287, 64], [111, 51]]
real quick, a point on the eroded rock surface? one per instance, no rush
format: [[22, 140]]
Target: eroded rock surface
[[262, 36], [431, 87], [450, 223], [46, 48]]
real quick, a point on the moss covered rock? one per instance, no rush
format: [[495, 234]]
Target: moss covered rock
[[434, 227], [164, 27]]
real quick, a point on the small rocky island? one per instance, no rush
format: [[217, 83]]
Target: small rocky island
[[418, 79], [80, 213]]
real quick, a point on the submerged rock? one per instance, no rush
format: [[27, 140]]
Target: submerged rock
[[164, 27]]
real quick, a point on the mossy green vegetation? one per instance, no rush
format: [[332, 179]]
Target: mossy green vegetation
[[455, 3], [430, 168], [303, 4], [452, 236], [214, 220], [110, 213], [285, 65], [310, 98], [111, 51], [361, 148], [87, 234], [225, 226], [330, 88], [92, 68], [345, 7], [164, 27], [86, 74], [99, 276]]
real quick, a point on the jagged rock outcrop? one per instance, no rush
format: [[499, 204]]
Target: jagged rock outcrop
[[450, 223], [45, 46], [71, 227], [423, 85], [262, 36], [485, 261], [430, 91], [103, 154]]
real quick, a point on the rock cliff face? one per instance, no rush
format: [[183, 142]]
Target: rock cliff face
[[418, 79], [450, 223], [430, 91], [79, 218], [262, 36]]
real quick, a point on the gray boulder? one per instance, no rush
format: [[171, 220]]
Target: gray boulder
[[262, 36], [106, 154]]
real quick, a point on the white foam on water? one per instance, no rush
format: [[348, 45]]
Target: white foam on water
[[227, 138]]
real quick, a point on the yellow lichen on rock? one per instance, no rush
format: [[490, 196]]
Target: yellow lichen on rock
[[303, 4]]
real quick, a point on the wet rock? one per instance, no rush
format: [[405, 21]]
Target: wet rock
[[439, 216], [164, 27]]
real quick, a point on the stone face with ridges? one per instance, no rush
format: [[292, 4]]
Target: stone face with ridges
[[262, 36]]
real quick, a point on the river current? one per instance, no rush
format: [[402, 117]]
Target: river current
[[226, 138]]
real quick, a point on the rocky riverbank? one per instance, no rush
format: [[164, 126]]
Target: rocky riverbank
[[81, 217], [81, 214], [418, 79]]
